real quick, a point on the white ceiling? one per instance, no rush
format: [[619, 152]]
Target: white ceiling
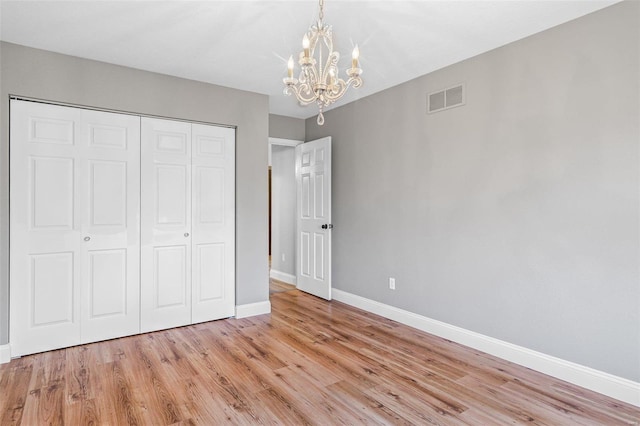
[[245, 44]]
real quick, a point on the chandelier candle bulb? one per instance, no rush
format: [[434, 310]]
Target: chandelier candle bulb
[[290, 67], [354, 57], [305, 45]]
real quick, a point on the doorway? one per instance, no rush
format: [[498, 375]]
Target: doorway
[[282, 210]]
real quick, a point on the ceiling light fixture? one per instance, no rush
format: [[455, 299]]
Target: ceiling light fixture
[[318, 81]]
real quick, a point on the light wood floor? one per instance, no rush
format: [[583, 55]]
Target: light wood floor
[[309, 362], [276, 286]]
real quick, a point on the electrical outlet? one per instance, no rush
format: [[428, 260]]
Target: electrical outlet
[[392, 283], [283, 257]]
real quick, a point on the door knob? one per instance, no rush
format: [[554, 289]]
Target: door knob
[[327, 226], [87, 238], [186, 234]]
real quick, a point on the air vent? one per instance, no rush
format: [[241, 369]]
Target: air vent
[[444, 99]]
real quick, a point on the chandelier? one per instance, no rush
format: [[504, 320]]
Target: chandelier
[[318, 80]]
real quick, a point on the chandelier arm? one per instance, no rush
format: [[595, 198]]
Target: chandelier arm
[[355, 82], [332, 96], [338, 89], [297, 91]]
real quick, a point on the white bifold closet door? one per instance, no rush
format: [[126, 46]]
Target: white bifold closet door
[[74, 226], [188, 223]]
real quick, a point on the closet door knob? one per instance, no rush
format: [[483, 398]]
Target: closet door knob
[[186, 234], [87, 238]]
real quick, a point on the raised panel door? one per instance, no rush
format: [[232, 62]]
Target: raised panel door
[[213, 222], [166, 224], [110, 155], [313, 180], [45, 227]]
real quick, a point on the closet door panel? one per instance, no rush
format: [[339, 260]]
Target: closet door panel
[[170, 276], [171, 210], [166, 224], [213, 224], [107, 285], [51, 289], [108, 192], [210, 272], [51, 184], [45, 224], [110, 231]]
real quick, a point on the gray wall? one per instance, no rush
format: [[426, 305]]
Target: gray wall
[[516, 215], [286, 127], [283, 208], [46, 75]]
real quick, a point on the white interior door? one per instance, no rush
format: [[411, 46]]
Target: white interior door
[[213, 222], [110, 187], [313, 213], [45, 227], [73, 226], [166, 224]]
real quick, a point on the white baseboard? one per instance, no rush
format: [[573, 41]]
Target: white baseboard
[[252, 309], [283, 276], [5, 353], [586, 377]]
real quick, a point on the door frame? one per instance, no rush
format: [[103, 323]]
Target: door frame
[[290, 143]]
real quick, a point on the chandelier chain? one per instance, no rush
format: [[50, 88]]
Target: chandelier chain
[[321, 14]]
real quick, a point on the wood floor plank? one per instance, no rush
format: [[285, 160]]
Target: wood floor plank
[[82, 382], [298, 385], [369, 404], [210, 404], [124, 408], [279, 407], [276, 286], [415, 410], [85, 412], [347, 367], [51, 409], [15, 390], [308, 362]]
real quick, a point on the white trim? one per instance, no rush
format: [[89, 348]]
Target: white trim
[[116, 111], [5, 353], [283, 276], [595, 380], [284, 142], [253, 309], [281, 142]]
